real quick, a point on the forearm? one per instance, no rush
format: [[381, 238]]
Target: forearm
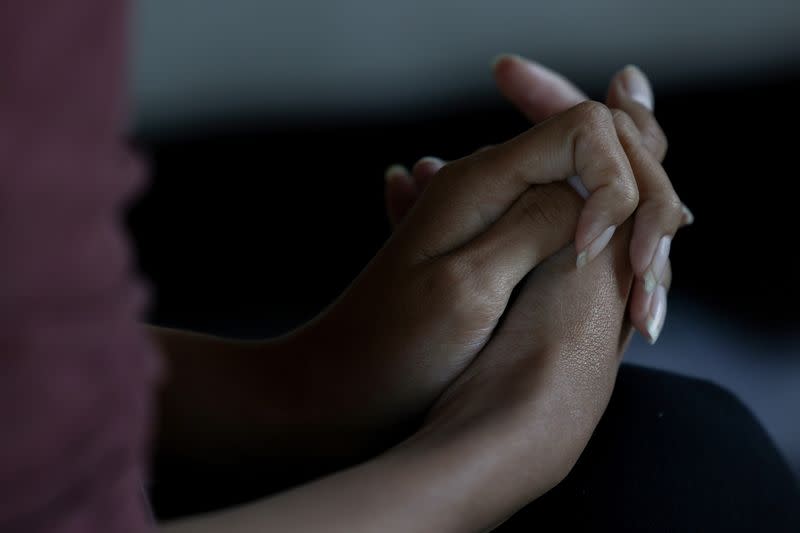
[[222, 399], [228, 401], [444, 485]]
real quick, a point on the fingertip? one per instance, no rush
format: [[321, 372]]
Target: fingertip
[[657, 315], [631, 84], [640, 303], [595, 246], [395, 172], [501, 59], [424, 169], [536, 90], [508, 60], [666, 279], [507, 70], [637, 87], [642, 250], [687, 217], [427, 167], [400, 193], [654, 229], [657, 264]]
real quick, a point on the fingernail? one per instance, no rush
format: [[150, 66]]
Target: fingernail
[[577, 184], [636, 85], [395, 171], [431, 161], [595, 247], [652, 277], [688, 217], [657, 314]]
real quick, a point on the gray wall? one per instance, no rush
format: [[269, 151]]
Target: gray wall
[[205, 59]]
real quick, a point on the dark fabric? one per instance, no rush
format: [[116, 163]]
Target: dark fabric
[[671, 454], [77, 372]]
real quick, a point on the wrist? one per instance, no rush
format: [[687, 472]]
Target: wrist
[[519, 436], [487, 469], [413, 487]]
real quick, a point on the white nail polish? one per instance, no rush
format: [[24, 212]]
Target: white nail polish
[[582, 259], [657, 314], [655, 271], [395, 171], [637, 86], [650, 281], [595, 247], [688, 217], [430, 163], [577, 184]]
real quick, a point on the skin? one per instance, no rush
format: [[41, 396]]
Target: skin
[[539, 94], [521, 412], [527, 393]]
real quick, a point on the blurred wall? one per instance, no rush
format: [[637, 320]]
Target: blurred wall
[[199, 60]]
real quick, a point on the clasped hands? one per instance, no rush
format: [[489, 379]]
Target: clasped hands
[[419, 336]]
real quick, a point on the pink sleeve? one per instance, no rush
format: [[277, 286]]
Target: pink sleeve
[[77, 372]]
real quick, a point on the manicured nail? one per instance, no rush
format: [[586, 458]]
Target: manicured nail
[[430, 161], [657, 314], [688, 217], [394, 172], [652, 277], [636, 85], [595, 247], [577, 184]]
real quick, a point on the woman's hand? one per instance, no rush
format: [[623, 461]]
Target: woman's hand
[[415, 319], [430, 299], [525, 408], [539, 94], [506, 431], [344, 384]]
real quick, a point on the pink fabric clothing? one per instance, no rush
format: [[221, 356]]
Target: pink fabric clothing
[[78, 372]]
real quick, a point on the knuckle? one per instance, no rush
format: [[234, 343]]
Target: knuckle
[[447, 277], [666, 207], [618, 113], [466, 288], [623, 120], [592, 115], [536, 209], [445, 283], [548, 205], [453, 279], [626, 127], [627, 193]]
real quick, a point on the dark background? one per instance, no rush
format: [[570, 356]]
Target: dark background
[[250, 228]]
